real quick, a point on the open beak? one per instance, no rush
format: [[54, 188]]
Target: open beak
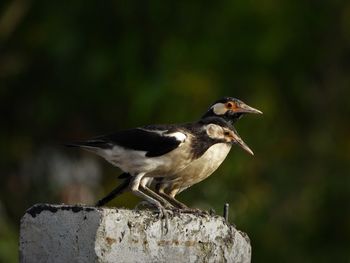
[[244, 108], [238, 140]]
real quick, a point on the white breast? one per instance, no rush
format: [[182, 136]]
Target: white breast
[[201, 168]]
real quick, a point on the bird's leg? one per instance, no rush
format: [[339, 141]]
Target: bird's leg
[[173, 201], [134, 186], [160, 189], [124, 186], [114, 193], [171, 198], [157, 197]]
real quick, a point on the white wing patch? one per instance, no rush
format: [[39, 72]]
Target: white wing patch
[[178, 135], [160, 132]]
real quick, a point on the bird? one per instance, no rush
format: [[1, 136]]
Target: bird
[[198, 170], [153, 151], [228, 109]]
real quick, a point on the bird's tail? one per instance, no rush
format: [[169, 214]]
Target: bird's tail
[[89, 144], [116, 191]]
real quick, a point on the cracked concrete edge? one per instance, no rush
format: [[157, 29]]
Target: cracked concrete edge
[[62, 233]]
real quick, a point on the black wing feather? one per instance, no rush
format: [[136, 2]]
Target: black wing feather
[[154, 144]]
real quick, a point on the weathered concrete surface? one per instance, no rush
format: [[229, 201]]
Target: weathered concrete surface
[[61, 233]]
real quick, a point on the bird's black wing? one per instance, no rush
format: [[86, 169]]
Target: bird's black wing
[[152, 140]]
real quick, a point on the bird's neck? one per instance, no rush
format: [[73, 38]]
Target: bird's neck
[[231, 119]]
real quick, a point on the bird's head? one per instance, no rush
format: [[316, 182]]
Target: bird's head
[[232, 136], [230, 109], [219, 130]]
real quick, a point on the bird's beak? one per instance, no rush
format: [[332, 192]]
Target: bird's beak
[[238, 140], [244, 108]]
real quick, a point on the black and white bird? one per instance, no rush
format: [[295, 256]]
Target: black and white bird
[[230, 109], [160, 150], [227, 109]]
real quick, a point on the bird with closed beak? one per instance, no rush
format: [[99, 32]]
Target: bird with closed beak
[[229, 110], [159, 151]]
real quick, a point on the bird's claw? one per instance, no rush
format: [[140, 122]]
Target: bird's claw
[[212, 212], [190, 210], [143, 203], [164, 214]]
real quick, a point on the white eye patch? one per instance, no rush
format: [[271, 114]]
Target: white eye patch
[[219, 109], [214, 131]]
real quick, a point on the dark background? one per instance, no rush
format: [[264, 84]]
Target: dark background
[[76, 69]]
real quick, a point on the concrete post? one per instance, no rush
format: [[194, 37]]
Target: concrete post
[[62, 233]]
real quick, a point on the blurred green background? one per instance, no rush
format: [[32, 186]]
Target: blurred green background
[[77, 69]]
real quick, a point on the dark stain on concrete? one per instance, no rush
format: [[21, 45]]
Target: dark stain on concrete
[[37, 209], [110, 240]]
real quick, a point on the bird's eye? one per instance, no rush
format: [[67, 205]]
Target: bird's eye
[[226, 133], [229, 105]]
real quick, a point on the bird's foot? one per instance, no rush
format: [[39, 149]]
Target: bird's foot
[[197, 211], [212, 212], [188, 210], [176, 211], [143, 204], [163, 213]]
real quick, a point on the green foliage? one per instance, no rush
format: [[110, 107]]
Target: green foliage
[[74, 69]]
